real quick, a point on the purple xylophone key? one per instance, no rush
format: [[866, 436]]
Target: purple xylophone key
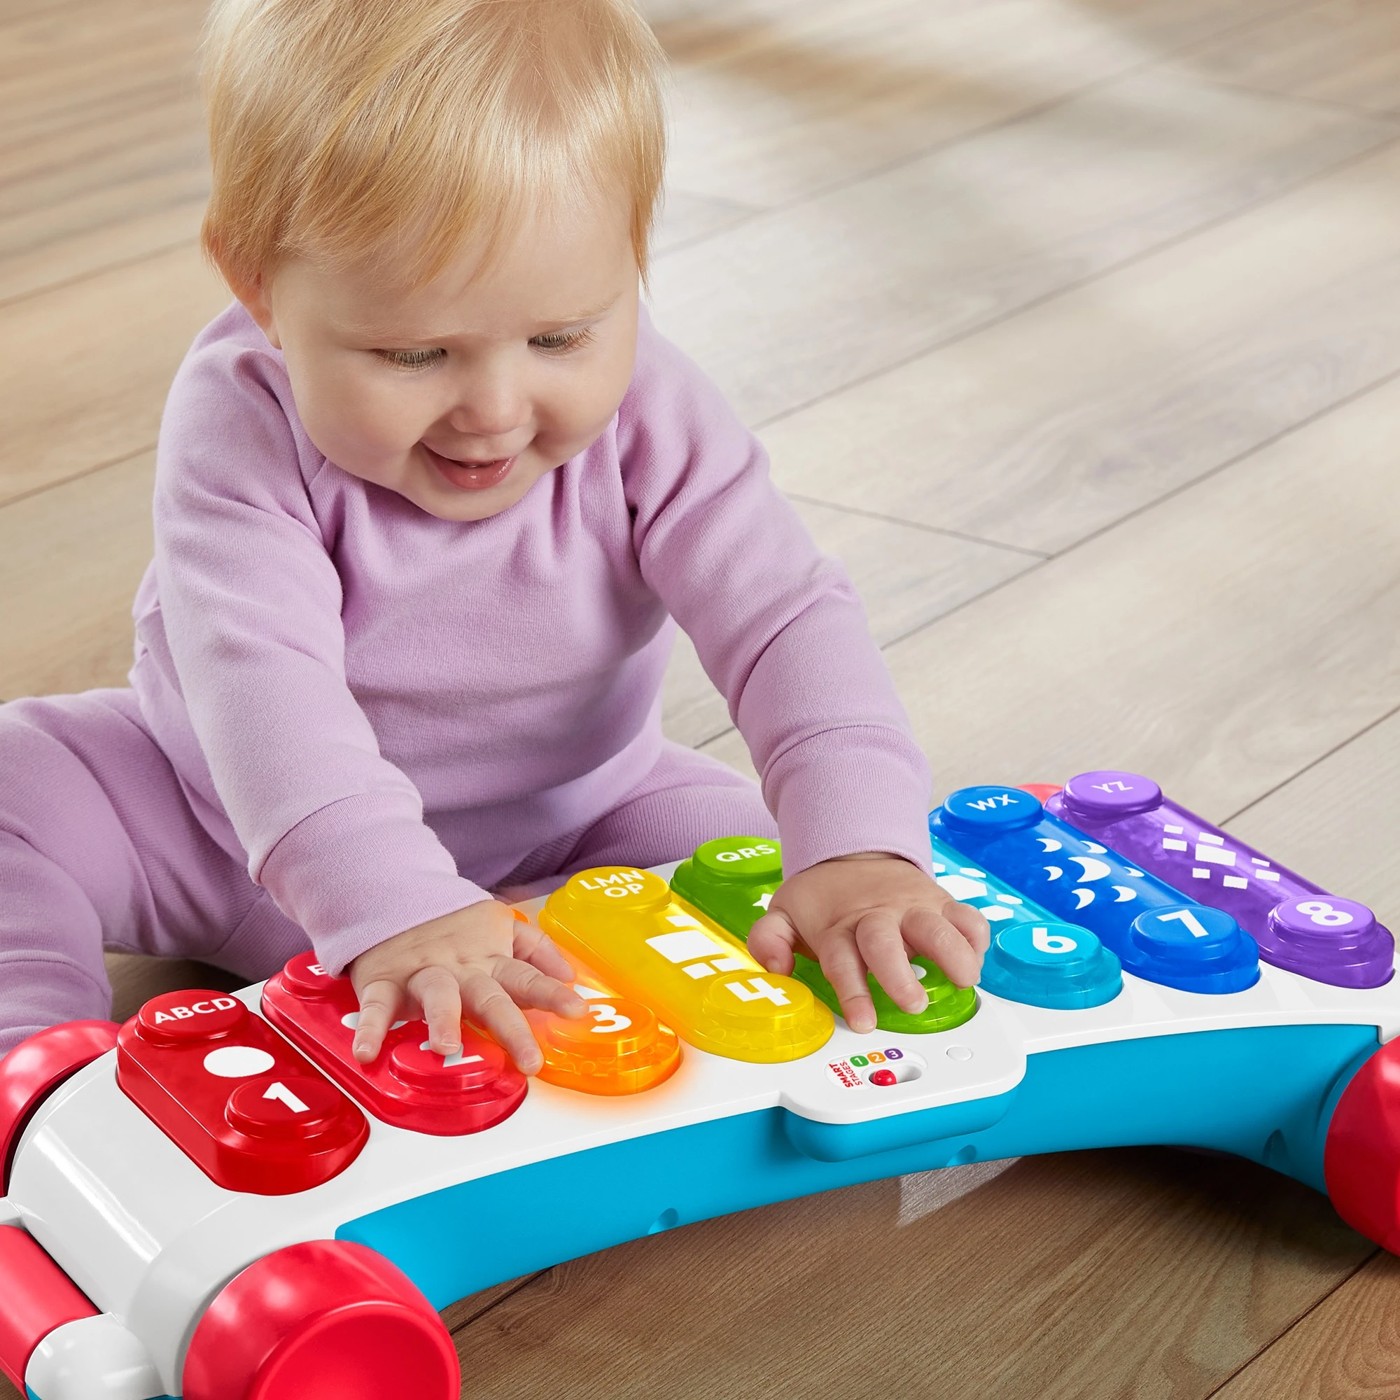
[[1298, 925]]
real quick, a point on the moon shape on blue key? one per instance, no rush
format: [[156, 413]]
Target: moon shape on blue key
[[1093, 869], [1053, 871], [1083, 897], [1048, 843], [1124, 894], [1095, 849]]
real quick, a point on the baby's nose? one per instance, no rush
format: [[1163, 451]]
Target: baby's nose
[[488, 407]]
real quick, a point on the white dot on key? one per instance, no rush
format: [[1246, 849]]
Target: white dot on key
[[238, 1061]]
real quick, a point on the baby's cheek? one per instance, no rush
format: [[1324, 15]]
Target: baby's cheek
[[373, 423]]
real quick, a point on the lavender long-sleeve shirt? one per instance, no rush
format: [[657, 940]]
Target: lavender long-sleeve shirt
[[348, 686]]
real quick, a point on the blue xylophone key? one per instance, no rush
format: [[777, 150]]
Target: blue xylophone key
[[1034, 957], [1158, 935]]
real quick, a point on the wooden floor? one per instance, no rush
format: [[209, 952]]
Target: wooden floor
[[1074, 327]]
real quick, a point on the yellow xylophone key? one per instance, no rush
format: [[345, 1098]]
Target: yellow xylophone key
[[698, 979]]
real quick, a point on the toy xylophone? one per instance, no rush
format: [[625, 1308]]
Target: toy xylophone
[[216, 1201]]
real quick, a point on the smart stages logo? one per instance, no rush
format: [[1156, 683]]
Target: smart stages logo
[[859, 1071]]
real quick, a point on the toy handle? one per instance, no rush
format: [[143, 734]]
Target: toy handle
[[37, 1066]]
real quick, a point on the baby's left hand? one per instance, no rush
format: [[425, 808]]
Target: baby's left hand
[[870, 913]]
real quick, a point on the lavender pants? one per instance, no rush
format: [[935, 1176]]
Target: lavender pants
[[99, 850]]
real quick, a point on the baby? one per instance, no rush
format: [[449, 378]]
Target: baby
[[429, 496]]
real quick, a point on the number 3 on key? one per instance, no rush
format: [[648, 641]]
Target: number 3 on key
[[608, 1018]]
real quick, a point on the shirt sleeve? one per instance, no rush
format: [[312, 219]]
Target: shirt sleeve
[[777, 624], [250, 601]]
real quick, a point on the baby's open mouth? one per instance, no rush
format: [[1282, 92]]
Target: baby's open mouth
[[469, 476]]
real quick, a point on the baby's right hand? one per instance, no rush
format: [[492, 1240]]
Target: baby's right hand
[[482, 962]]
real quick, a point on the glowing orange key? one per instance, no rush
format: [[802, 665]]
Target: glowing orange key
[[618, 1048]]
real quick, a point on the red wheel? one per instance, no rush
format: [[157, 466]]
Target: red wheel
[[324, 1320], [1361, 1160], [35, 1066]]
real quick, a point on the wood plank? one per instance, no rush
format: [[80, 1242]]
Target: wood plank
[[1345, 51], [70, 560], [1073, 414], [799, 303], [1347, 1348], [853, 283], [1084, 1276], [103, 153], [777, 100], [103, 158], [906, 577], [1337, 820], [1221, 641], [687, 218], [86, 366], [67, 67]]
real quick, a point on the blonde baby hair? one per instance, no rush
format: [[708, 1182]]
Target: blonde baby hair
[[344, 129]]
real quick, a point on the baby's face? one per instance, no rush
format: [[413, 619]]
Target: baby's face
[[462, 394]]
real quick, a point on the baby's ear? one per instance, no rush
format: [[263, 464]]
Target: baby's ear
[[254, 296], [252, 292]]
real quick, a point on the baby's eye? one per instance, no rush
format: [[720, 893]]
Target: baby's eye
[[411, 359], [563, 340]]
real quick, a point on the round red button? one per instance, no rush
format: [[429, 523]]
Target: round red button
[[294, 1107], [307, 978], [178, 1018], [884, 1078], [476, 1065]]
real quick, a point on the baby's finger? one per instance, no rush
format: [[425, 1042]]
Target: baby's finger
[[534, 945], [772, 940], [528, 986], [932, 936], [378, 1002], [441, 999], [882, 948], [971, 923], [846, 973], [489, 1006]]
